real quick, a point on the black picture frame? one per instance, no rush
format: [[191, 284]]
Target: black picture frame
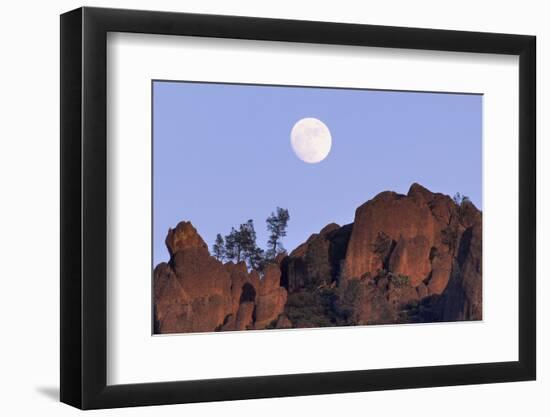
[[84, 207]]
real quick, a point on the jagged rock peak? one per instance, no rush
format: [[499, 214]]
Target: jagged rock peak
[[184, 236], [414, 257], [416, 190], [329, 228]]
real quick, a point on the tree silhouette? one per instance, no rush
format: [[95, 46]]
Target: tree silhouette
[[460, 199], [233, 247], [276, 225], [218, 248], [252, 254], [240, 245]]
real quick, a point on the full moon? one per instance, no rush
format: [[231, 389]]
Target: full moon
[[311, 140]]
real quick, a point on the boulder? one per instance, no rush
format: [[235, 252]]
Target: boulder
[[397, 217], [271, 279], [169, 299], [269, 307], [442, 264], [201, 275], [184, 236], [420, 194], [443, 209], [470, 262], [318, 261], [192, 293], [470, 216], [272, 297], [462, 297]]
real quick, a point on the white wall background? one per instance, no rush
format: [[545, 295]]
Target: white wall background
[[29, 211]]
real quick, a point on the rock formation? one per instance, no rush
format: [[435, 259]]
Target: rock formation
[[318, 261], [194, 292], [405, 259], [271, 299], [423, 241], [401, 222]]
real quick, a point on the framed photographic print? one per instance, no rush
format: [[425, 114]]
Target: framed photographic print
[[258, 207]]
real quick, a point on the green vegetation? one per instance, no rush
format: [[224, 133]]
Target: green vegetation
[[460, 199], [345, 305], [310, 309], [319, 308], [218, 248], [276, 225], [240, 244], [400, 280]]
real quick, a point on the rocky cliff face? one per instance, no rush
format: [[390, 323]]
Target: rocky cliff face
[[194, 292], [405, 259], [421, 252], [318, 261]]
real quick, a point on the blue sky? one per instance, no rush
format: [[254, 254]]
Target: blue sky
[[222, 154]]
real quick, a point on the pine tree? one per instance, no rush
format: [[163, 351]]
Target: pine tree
[[218, 248], [276, 226], [251, 252], [460, 199], [233, 250], [240, 245]]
